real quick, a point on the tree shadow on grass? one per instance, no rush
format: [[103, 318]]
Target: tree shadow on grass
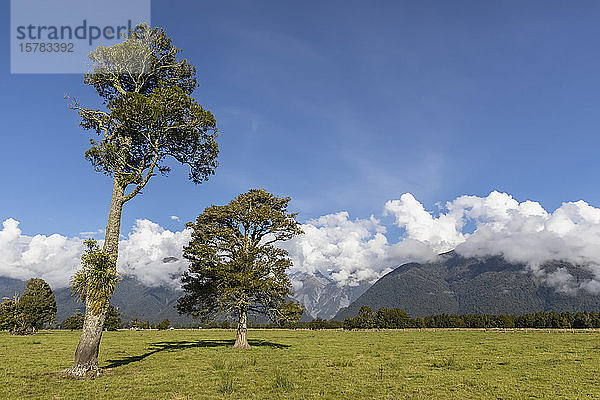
[[184, 344]]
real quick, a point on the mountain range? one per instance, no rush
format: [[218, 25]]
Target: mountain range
[[489, 285], [132, 298], [451, 284], [321, 296]]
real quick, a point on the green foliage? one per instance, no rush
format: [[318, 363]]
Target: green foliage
[[37, 305], [7, 313], [164, 324], [137, 324], [112, 321], [391, 318], [26, 313], [394, 318], [30, 311], [233, 263], [149, 112], [74, 322], [95, 281], [364, 320]]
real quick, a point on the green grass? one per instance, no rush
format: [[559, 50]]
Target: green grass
[[285, 364]]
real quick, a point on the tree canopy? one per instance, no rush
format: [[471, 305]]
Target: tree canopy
[[164, 324], [8, 313], [26, 313], [234, 266], [73, 322], [38, 304], [149, 112]]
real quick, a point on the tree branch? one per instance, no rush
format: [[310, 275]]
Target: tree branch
[[141, 185]]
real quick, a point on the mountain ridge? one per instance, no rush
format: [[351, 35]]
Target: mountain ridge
[[454, 284], [322, 296]]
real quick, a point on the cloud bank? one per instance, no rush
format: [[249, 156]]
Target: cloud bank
[[153, 254], [520, 232], [333, 244], [54, 258], [350, 250], [150, 253]]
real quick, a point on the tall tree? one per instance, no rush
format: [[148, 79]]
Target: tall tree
[[148, 116], [234, 267]]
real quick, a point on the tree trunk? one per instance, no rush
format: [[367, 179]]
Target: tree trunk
[[86, 355], [241, 341]]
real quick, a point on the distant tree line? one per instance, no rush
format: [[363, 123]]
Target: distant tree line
[[137, 324], [395, 318], [111, 323]]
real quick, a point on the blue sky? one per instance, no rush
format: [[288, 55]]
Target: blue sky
[[341, 105]]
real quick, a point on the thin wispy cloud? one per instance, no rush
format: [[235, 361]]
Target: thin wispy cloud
[[92, 233]]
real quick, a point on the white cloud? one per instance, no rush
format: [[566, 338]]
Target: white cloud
[[350, 250], [55, 258], [334, 244], [520, 232], [440, 234], [92, 233], [174, 217], [142, 254]]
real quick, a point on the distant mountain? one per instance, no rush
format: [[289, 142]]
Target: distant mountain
[[459, 285], [322, 296], [133, 299], [9, 287]]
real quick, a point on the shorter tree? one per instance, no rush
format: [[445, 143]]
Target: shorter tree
[[234, 267], [113, 319], [391, 318], [26, 313], [137, 324], [74, 322], [8, 309], [164, 324], [364, 319], [37, 305]]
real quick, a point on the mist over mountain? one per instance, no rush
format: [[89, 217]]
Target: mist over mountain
[[322, 296], [455, 284], [452, 284]]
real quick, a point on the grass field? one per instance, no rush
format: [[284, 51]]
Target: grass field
[[192, 364]]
